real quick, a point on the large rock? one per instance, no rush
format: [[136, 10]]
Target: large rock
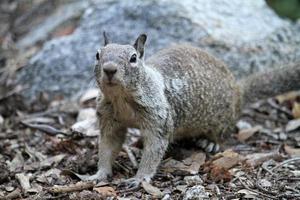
[[247, 35]]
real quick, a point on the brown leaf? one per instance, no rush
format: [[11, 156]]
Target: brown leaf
[[292, 151], [244, 134], [227, 159], [154, 191], [220, 174], [187, 166], [290, 96], [106, 191], [296, 110], [218, 169], [256, 159]]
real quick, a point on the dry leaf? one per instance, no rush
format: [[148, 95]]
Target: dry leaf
[[39, 120], [89, 95], [248, 194], [106, 191], [258, 158], [45, 128], [49, 162], [154, 191], [218, 169], [16, 163], [296, 110], [188, 166], [292, 151], [86, 113], [34, 154], [218, 174], [227, 159], [86, 127], [292, 125], [290, 96], [46, 177], [24, 181], [79, 186], [244, 134]]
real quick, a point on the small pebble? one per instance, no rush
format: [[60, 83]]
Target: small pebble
[[166, 197], [282, 136], [265, 183], [9, 188], [196, 193], [296, 173], [181, 188], [243, 125], [193, 180]]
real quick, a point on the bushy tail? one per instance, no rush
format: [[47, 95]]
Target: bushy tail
[[271, 83]]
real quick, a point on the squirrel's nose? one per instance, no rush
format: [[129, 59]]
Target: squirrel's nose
[[109, 72]]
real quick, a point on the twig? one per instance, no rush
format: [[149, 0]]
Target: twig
[[45, 128], [289, 178], [290, 196], [252, 190], [267, 170], [285, 162], [122, 167], [264, 190], [272, 103], [131, 156], [71, 188]]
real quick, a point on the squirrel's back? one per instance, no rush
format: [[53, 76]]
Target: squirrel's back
[[200, 89]]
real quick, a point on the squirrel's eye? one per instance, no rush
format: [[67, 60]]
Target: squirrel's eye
[[133, 58], [97, 56]]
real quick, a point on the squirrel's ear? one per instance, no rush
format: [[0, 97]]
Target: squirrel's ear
[[106, 40], [140, 44]]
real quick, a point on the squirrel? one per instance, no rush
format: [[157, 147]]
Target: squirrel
[[180, 92]]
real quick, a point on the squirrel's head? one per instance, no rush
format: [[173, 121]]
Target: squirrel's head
[[120, 65]]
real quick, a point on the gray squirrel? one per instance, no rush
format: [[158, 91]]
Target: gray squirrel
[[180, 92]]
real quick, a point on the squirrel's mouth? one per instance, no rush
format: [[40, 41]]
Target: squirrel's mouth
[[110, 83]]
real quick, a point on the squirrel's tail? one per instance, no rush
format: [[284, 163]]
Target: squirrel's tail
[[268, 84]]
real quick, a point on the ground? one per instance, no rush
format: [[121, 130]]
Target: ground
[[43, 154], [41, 158]]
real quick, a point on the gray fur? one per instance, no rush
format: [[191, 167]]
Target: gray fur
[[180, 92]]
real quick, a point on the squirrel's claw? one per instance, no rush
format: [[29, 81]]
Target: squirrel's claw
[[129, 184], [96, 177]]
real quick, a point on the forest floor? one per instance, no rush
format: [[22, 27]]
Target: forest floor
[[45, 146], [43, 155]]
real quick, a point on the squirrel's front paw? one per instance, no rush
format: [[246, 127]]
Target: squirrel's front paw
[[99, 176], [130, 184]]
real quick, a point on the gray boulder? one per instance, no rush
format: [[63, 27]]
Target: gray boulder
[[247, 35]]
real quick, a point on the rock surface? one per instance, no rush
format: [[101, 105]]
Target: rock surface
[[247, 35]]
